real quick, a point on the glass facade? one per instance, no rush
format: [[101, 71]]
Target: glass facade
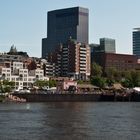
[[63, 24], [107, 45], [136, 42]]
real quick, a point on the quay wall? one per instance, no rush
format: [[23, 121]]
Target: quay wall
[[71, 97], [59, 97]]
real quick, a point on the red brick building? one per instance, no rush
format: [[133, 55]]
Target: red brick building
[[121, 62]]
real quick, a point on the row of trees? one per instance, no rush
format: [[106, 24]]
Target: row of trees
[[43, 83], [7, 86], [129, 78]]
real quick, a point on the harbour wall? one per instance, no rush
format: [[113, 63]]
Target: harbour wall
[[64, 97]]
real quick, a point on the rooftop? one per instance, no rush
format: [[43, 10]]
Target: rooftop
[[136, 29]]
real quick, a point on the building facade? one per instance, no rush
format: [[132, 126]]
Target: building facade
[[50, 69], [23, 78], [120, 62], [63, 24], [73, 60], [66, 85], [8, 57], [107, 45], [136, 42]]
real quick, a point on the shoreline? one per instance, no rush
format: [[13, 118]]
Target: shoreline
[[71, 97]]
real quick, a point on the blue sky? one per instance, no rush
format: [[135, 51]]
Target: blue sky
[[24, 22]]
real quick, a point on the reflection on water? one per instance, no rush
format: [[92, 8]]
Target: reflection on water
[[67, 121]]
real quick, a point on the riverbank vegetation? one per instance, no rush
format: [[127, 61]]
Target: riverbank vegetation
[[128, 79]]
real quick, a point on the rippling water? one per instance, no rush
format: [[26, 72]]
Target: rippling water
[[70, 121]]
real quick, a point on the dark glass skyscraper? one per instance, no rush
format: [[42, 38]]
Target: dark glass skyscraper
[[136, 42], [63, 24]]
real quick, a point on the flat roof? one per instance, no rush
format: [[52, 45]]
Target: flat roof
[[136, 29], [63, 9]]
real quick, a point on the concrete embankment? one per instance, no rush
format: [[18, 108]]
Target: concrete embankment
[[59, 97], [41, 97]]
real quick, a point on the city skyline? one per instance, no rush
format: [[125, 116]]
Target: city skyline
[[63, 24], [24, 23]]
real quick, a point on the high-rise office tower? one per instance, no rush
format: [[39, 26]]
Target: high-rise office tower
[[107, 45], [64, 24], [136, 42]]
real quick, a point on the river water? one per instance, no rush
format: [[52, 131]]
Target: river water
[[70, 121]]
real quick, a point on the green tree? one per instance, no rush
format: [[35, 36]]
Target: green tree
[[126, 83], [96, 70], [111, 73], [52, 83], [131, 79], [6, 86], [110, 81], [80, 82], [112, 76], [98, 81], [41, 83]]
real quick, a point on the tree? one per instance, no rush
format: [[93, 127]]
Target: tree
[[126, 83], [111, 73], [131, 79], [32, 65], [6, 86], [80, 82], [112, 76], [52, 83], [110, 82], [98, 81], [96, 70], [41, 83]]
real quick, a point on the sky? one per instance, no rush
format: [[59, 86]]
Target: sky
[[24, 22]]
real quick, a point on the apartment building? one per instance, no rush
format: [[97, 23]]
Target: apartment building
[[73, 60], [22, 77]]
